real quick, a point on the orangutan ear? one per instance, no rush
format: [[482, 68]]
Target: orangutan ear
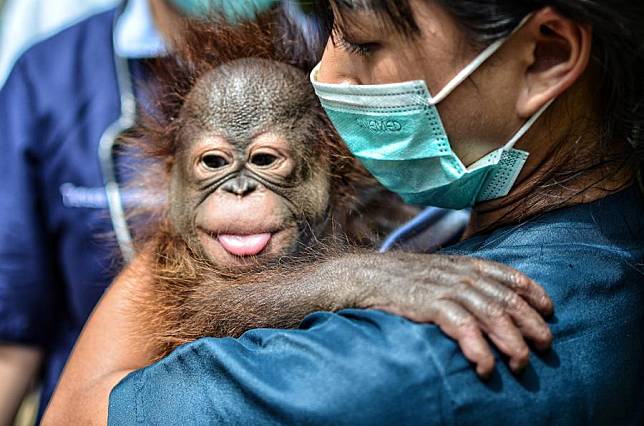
[[558, 51]]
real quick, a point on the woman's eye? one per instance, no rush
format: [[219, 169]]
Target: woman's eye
[[361, 49], [263, 160], [213, 161]]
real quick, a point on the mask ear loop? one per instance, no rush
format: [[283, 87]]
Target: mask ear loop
[[526, 126], [474, 65]]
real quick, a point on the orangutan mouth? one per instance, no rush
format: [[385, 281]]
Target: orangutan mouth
[[244, 245]]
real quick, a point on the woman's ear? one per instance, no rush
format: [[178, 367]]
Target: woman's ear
[[558, 51]]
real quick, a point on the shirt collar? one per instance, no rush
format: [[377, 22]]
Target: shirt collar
[[135, 34]]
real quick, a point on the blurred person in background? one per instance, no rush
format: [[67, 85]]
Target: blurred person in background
[[25, 22], [55, 107], [62, 107]]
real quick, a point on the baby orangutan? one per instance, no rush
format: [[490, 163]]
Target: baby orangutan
[[266, 209], [252, 184]]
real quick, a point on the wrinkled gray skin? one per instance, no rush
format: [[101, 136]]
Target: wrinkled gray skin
[[240, 109], [227, 110]]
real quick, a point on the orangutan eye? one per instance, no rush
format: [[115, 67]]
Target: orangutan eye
[[263, 159], [214, 161]]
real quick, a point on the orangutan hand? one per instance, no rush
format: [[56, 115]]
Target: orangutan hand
[[464, 296]]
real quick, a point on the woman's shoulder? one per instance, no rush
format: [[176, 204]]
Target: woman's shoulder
[[615, 222], [588, 257], [590, 260]]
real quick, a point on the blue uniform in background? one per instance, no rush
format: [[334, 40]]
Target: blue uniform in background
[[25, 22], [368, 367], [57, 252]]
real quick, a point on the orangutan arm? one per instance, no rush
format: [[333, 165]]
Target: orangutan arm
[[461, 295]]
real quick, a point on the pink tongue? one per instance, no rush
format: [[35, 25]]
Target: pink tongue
[[244, 245]]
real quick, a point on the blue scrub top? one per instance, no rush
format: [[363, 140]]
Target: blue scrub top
[[368, 367], [57, 250]]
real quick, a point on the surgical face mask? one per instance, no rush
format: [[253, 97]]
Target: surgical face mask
[[396, 132], [232, 10]]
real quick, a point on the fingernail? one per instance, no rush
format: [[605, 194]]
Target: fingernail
[[547, 305], [484, 373]]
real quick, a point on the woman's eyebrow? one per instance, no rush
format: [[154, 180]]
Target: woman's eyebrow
[[389, 15]]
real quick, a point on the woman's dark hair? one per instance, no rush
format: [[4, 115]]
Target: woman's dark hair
[[618, 44]]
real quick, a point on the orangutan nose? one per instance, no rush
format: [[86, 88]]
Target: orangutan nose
[[241, 186]]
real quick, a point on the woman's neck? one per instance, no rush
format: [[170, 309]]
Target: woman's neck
[[568, 165]]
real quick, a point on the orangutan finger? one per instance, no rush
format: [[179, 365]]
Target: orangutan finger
[[460, 325], [496, 324], [457, 323], [516, 281], [530, 323]]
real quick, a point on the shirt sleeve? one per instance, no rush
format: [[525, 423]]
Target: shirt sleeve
[[26, 299], [357, 368]]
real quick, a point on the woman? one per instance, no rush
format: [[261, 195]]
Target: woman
[[541, 101]]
